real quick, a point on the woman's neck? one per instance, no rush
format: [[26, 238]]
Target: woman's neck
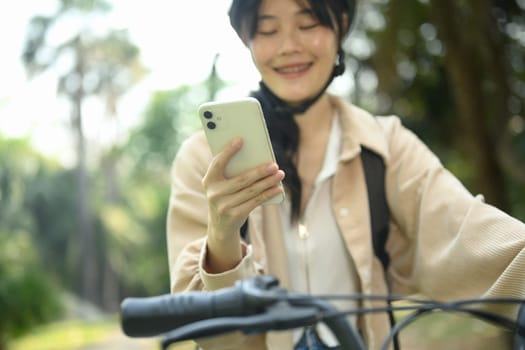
[[316, 119]]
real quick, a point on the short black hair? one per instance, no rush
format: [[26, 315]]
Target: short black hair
[[335, 14]]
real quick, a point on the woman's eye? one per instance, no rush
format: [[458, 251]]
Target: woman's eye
[[309, 26], [307, 20], [266, 27], [266, 32]]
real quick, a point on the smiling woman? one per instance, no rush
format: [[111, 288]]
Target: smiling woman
[[323, 238]]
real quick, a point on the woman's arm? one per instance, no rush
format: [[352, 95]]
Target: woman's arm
[[450, 244], [206, 212]]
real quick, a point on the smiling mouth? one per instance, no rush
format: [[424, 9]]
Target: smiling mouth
[[294, 69]]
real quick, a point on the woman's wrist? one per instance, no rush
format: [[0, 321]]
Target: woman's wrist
[[224, 252]]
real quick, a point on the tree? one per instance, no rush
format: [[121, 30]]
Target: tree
[[455, 72], [104, 66], [28, 294], [169, 118]]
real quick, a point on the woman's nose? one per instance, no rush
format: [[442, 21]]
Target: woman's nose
[[290, 42]]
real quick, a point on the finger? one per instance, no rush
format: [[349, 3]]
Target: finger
[[229, 211], [221, 160], [258, 191], [262, 197], [249, 177]]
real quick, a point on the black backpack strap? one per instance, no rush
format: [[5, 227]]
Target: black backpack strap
[[374, 169]]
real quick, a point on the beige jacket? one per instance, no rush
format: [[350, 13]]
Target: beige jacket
[[443, 242]]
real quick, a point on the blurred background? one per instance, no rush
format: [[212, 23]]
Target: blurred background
[[96, 96]]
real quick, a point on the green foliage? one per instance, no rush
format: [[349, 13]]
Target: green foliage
[[64, 204], [50, 199], [454, 72], [156, 140], [138, 224], [134, 240], [13, 171], [85, 5], [169, 118], [27, 294], [107, 218]]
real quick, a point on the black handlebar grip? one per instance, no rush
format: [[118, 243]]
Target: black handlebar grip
[[152, 316]]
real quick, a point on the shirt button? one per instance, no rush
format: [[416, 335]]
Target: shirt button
[[343, 212]]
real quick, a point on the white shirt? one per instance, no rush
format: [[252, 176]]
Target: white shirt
[[318, 260]]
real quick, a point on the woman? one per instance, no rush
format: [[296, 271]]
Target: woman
[[443, 242]]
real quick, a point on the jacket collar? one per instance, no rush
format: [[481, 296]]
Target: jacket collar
[[360, 128]]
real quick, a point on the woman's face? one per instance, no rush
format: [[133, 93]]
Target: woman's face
[[293, 52]]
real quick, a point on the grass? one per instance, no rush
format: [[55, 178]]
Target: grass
[[84, 334], [65, 335]]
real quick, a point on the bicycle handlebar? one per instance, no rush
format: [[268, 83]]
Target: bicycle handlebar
[[258, 305], [253, 305], [143, 317]]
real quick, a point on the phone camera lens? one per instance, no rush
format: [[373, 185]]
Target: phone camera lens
[[211, 125], [208, 114]]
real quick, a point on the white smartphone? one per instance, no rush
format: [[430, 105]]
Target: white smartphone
[[224, 120]]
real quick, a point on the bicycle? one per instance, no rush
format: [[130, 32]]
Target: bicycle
[[259, 304]]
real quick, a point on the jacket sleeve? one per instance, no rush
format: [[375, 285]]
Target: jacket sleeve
[[445, 242], [186, 239]]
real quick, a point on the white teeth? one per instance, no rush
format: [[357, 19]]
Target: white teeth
[[294, 69]]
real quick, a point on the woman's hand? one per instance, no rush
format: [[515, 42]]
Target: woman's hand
[[230, 201]]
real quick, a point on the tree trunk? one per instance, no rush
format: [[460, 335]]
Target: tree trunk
[[86, 232], [462, 65], [497, 60], [385, 59], [110, 282], [111, 288]]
